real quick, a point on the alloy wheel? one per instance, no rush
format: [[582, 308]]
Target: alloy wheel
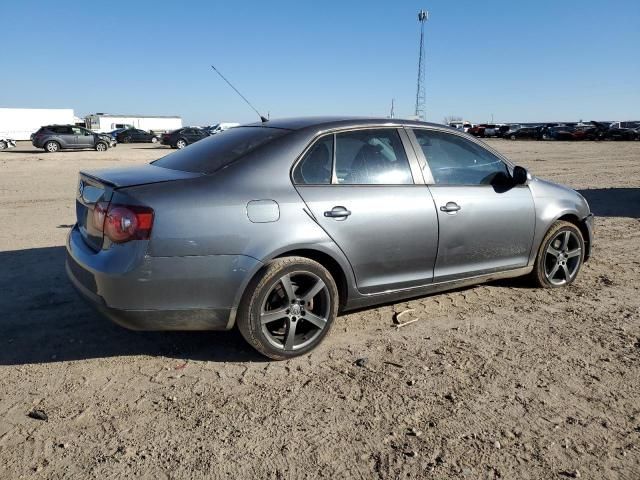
[[52, 147], [562, 258], [295, 311], [181, 144]]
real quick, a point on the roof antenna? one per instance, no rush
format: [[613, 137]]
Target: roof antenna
[[262, 119]]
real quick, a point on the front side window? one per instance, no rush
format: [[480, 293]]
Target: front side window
[[454, 160], [371, 157], [315, 167]]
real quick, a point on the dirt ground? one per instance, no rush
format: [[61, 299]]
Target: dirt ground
[[495, 381]]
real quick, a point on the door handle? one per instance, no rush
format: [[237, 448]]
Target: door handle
[[450, 207], [337, 212]]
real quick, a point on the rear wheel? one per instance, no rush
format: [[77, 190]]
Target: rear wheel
[[512, 137], [288, 308], [181, 144], [101, 147], [3, 145], [51, 146], [560, 256]]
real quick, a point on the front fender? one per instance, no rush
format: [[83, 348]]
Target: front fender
[[553, 202]]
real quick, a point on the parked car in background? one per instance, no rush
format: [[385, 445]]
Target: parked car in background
[[620, 134], [484, 130], [523, 133], [561, 132], [6, 143], [633, 125], [220, 127], [114, 133], [504, 130], [268, 227], [183, 136], [53, 138], [135, 135], [461, 125]]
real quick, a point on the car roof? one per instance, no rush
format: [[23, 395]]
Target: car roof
[[329, 122]]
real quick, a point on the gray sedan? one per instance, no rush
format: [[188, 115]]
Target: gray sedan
[[277, 227]]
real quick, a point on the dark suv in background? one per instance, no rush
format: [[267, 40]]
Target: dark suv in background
[[60, 137], [183, 136]]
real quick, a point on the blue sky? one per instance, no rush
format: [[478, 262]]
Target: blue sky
[[520, 61]]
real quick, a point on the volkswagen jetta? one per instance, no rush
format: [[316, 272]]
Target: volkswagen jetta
[[277, 227]]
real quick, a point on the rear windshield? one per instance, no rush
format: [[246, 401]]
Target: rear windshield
[[213, 153]]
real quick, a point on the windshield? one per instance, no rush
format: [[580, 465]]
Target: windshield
[[213, 153]]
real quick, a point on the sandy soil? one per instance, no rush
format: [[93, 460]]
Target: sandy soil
[[496, 381]]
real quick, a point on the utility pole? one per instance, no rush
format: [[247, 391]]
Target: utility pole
[[420, 113], [391, 114]]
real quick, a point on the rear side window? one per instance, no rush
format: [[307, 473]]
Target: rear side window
[[213, 153], [315, 167], [371, 157], [454, 160], [62, 130]]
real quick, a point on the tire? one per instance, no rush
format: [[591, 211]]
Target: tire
[[267, 311], [180, 144], [126, 140], [154, 139], [512, 137], [51, 146], [101, 147], [3, 145], [569, 262]]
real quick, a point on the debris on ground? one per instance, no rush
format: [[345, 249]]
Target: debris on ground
[[38, 414]]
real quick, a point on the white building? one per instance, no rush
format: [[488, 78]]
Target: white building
[[103, 122], [20, 123]]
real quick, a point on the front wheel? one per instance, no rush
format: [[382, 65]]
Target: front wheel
[[288, 308], [3, 145], [180, 144], [560, 256], [101, 147], [154, 139]]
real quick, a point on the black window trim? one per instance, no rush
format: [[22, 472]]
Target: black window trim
[[409, 150], [428, 175]]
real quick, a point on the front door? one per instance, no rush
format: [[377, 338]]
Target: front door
[[84, 138], [486, 223], [367, 202]]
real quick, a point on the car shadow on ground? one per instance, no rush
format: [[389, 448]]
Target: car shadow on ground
[[613, 202], [23, 151], [43, 320]]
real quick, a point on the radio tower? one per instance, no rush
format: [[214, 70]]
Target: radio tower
[[423, 16]]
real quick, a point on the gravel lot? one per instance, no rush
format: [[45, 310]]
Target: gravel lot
[[495, 381]]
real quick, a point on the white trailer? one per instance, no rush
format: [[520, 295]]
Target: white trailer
[[20, 123], [103, 123]]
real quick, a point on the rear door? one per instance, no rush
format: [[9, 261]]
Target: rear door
[[65, 135], [360, 187], [486, 223]]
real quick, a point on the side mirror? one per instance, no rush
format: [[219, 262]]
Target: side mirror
[[520, 175]]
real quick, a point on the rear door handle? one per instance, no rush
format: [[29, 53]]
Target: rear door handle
[[450, 207], [338, 212]]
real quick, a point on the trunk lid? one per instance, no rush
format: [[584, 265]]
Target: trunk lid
[[95, 190]]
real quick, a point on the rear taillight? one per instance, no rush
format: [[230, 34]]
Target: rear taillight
[[121, 223]]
